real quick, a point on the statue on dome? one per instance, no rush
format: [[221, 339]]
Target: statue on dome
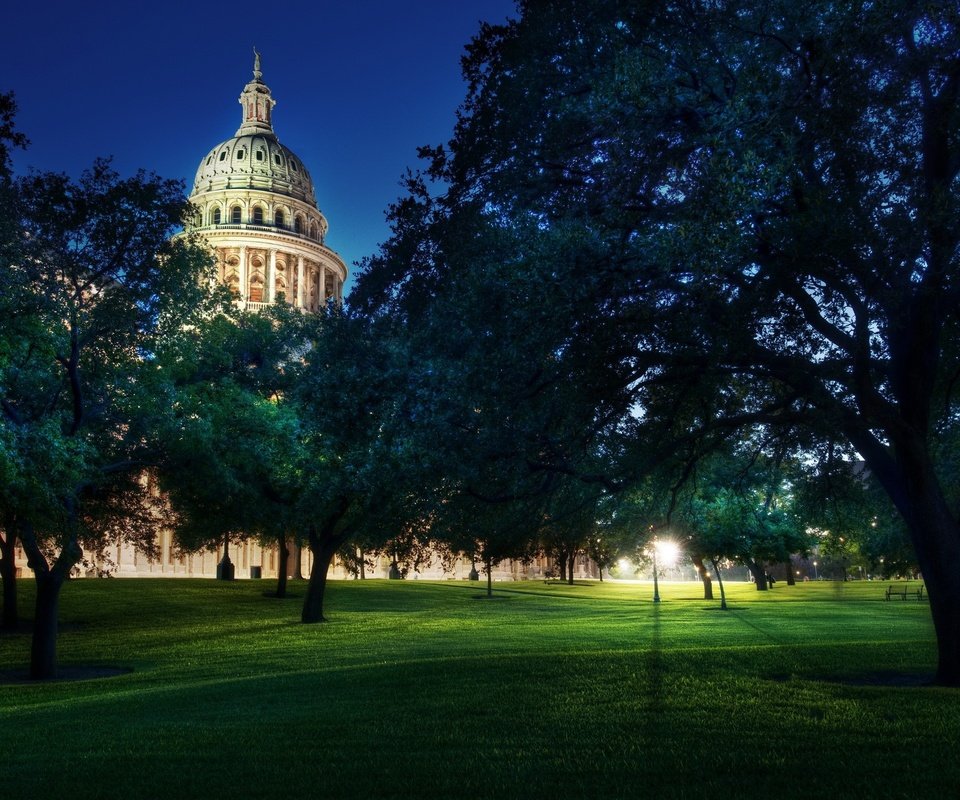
[[256, 63]]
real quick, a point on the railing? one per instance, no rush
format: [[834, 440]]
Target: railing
[[253, 226]]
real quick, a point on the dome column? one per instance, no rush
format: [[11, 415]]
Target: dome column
[[322, 300], [272, 277], [242, 269], [299, 281]]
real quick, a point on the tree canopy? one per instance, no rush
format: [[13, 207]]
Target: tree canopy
[[718, 214]]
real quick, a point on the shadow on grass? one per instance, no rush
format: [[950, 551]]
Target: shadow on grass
[[65, 674]]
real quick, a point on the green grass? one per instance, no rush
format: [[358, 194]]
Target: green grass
[[419, 689]]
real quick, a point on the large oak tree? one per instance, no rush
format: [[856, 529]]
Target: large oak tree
[[758, 211]]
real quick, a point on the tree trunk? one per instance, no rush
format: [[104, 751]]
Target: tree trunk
[[49, 580], [758, 572], [791, 580], [910, 479], [313, 603], [723, 594], [43, 649], [9, 620], [361, 559], [936, 539], [571, 561], [489, 562], [295, 553], [704, 574], [284, 556]]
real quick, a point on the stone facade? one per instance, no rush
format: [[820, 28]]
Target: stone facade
[[255, 206]]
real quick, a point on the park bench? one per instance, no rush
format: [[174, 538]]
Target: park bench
[[900, 591]]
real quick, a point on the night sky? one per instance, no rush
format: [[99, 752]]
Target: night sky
[[359, 85]]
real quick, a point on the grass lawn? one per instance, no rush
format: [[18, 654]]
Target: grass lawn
[[420, 689]]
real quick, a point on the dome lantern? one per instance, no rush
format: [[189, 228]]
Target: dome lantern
[[257, 103]]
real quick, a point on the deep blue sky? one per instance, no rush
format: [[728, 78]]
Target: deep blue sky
[[359, 85]]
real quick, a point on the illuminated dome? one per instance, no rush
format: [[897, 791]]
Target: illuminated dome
[[254, 160], [256, 207]]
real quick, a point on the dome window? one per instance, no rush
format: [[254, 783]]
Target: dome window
[[278, 219], [209, 160], [298, 225], [276, 159], [241, 154], [235, 215], [257, 215], [293, 165], [216, 216], [223, 155], [259, 155]]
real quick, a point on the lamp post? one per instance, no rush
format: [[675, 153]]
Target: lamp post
[[225, 569], [815, 571], [656, 585]]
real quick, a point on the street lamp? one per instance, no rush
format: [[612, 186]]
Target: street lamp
[[656, 585], [815, 571]]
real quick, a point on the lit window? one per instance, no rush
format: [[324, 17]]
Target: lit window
[[235, 215], [258, 215]]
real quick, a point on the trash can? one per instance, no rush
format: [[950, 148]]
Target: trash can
[[256, 573]]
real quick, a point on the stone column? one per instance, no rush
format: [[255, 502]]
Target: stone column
[[322, 300], [299, 281], [272, 277], [243, 272]]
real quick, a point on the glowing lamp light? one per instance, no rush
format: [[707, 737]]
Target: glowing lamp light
[[667, 552]]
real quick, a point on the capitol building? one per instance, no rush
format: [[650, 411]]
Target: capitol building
[[255, 207]]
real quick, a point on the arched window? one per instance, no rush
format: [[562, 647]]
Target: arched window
[[223, 155], [216, 216], [293, 165], [276, 159], [240, 154], [257, 215], [259, 155], [278, 219], [298, 225], [235, 215]]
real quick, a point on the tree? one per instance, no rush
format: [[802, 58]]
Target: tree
[[11, 464], [99, 284], [761, 206], [233, 447], [349, 399]]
